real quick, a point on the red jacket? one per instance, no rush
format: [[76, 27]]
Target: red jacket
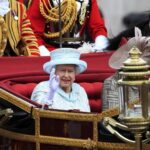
[[94, 22]]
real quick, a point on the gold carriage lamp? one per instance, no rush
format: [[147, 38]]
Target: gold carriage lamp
[[134, 100], [134, 89]]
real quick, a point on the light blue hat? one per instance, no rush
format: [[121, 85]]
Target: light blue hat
[[64, 56]]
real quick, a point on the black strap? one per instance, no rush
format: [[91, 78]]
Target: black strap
[[26, 3], [51, 2]]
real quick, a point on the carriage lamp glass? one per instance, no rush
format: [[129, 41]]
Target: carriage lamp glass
[[134, 90], [134, 100]]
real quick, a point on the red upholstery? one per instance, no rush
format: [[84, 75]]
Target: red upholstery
[[27, 66], [24, 89], [94, 94], [93, 90], [23, 73]]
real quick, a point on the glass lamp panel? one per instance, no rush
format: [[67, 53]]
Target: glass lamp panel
[[145, 100], [130, 101], [121, 100], [134, 108]]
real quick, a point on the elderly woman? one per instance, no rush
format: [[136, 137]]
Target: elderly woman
[[60, 92]]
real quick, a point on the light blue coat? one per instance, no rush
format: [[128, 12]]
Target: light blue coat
[[77, 99]]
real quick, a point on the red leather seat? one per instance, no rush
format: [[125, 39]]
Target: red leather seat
[[21, 79], [93, 91]]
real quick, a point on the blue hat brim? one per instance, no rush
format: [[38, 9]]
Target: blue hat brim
[[81, 65]]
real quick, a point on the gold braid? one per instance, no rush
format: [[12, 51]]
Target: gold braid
[[29, 3], [68, 15], [3, 36]]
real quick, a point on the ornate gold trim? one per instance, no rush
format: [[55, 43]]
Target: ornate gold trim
[[17, 136], [37, 114], [49, 139], [109, 113], [3, 35], [15, 100], [65, 115], [115, 146]]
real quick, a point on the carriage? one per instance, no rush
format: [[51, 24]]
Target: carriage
[[25, 125]]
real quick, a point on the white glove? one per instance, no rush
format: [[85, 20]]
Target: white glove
[[4, 7], [44, 51], [85, 48], [101, 42], [53, 84]]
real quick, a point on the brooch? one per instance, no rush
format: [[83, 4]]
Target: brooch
[[14, 14]]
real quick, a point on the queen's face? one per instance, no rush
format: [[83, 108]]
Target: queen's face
[[66, 74]]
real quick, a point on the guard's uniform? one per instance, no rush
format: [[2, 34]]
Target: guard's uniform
[[21, 39], [25, 2], [88, 16]]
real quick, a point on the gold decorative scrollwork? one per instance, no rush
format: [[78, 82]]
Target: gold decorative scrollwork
[[3, 35]]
